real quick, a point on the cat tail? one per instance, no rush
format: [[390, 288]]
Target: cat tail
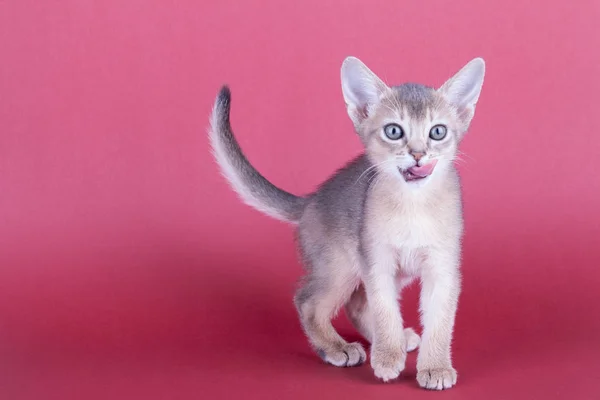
[[252, 188]]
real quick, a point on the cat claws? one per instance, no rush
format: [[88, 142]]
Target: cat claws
[[437, 378], [349, 355]]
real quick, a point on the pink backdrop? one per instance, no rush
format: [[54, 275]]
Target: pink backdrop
[[128, 269]]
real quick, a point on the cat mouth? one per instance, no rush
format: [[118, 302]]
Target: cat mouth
[[418, 173]]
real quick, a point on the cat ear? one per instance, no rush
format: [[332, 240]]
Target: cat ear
[[362, 89], [463, 89]]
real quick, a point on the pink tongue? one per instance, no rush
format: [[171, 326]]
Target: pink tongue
[[423, 170]]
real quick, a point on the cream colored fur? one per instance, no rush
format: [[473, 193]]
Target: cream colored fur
[[371, 229]]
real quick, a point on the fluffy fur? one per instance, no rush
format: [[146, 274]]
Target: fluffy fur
[[371, 229]]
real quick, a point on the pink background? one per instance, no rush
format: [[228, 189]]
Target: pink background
[[128, 269]]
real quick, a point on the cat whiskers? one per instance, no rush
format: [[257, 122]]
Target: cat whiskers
[[377, 179], [372, 168], [392, 109], [460, 153], [457, 159]]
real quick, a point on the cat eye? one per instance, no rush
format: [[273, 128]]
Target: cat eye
[[438, 132], [393, 131]]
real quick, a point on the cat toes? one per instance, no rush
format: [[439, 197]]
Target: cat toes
[[346, 355], [387, 363], [413, 340], [437, 378]]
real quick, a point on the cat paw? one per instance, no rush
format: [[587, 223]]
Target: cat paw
[[412, 339], [387, 365], [437, 378], [347, 355]]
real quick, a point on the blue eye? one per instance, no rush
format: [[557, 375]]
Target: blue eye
[[393, 131], [438, 132]]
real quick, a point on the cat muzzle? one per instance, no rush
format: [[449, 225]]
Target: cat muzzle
[[418, 172]]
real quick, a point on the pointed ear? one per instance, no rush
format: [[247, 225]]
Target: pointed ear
[[463, 89], [362, 89]]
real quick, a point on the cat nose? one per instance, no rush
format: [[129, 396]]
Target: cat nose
[[417, 155]]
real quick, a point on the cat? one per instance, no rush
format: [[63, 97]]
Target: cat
[[391, 215]]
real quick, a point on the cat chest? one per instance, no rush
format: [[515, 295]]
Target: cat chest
[[408, 232], [411, 236]]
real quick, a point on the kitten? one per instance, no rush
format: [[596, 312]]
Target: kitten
[[391, 215]]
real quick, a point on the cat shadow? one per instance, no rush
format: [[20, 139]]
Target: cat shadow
[[243, 311], [248, 312]]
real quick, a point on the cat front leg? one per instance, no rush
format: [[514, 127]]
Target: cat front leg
[[388, 353], [440, 289]]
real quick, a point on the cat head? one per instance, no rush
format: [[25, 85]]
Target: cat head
[[411, 132]]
